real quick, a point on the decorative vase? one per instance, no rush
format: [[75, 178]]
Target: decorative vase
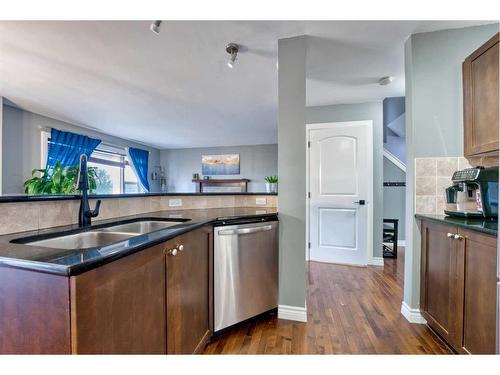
[[271, 187]]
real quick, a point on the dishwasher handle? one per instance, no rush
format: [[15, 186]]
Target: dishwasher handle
[[230, 232]]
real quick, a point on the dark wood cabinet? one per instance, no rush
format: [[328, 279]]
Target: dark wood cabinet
[[480, 293], [119, 308], [441, 290], [188, 291], [458, 286], [150, 302], [480, 96]]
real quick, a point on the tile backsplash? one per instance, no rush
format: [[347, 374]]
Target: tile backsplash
[[25, 216], [432, 177]]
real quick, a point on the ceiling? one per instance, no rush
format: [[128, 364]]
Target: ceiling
[[174, 90]]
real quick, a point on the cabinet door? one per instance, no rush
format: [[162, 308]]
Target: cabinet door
[[480, 90], [188, 292], [441, 295], [480, 293], [119, 308]]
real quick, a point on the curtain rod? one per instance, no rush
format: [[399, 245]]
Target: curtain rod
[[48, 129]]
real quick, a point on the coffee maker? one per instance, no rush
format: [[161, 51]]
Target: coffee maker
[[474, 193]]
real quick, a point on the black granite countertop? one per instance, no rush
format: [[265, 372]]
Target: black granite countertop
[[487, 226], [47, 197], [75, 261]]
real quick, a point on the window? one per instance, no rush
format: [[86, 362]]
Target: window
[[114, 173]]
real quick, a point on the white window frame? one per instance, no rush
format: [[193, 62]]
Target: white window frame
[[103, 147]]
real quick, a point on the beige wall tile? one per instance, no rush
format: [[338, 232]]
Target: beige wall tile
[[425, 204], [110, 208], [446, 166], [425, 167], [425, 186], [440, 204], [463, 163], [19, 217], [55, 214], [441, 184]]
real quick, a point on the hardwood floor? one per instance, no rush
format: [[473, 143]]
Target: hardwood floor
[[351, 310]]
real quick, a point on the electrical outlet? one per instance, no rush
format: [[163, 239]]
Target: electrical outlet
[[177, 202], [260, 201]]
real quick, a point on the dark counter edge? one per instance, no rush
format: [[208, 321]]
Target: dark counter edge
[[44, 198], [54, 269], [461, 222]]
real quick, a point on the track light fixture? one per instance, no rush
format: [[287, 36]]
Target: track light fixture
[[155, 27], [232, 49], [384, 81]]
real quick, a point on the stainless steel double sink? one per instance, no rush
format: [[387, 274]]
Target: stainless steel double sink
[[102, 236]]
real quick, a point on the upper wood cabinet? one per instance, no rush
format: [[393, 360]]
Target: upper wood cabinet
[[480, 94], [458, 286]]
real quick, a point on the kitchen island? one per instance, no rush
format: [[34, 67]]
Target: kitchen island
[[150, 293]]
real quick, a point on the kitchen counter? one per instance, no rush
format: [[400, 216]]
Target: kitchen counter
[[75, 261], [478, 225]]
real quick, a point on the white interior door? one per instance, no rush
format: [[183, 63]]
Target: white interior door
[[341, 189]]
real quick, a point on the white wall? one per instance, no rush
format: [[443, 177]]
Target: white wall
[[21, 146], [256, 162]]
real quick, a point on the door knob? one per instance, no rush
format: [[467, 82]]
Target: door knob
[[450, 235], [458, 237], [361, 202], [180, 247]]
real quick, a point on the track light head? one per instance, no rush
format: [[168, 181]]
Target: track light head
[[232, 49], [384, 81], [155, 27]]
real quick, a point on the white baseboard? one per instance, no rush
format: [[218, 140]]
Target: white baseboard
[[376, 261], [412, 315], [292, 313]]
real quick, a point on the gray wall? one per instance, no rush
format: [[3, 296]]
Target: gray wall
[[356, 112], [292, 169], [394, 196], [256, 162], [434, 119], [21, 146], [393, 107]]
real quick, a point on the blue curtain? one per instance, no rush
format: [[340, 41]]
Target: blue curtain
[[139, 161], [66, 147]]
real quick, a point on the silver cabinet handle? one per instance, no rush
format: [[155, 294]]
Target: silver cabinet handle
[[458, 237], [229, 232], [172, 252], [450, 235], [180, 247]]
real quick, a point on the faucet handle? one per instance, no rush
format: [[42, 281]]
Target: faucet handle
[[95, 212]]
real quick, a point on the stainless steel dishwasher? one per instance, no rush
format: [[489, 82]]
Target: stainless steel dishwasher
[[245, 271]]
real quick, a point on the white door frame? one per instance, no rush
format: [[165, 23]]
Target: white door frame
[[326, 125]]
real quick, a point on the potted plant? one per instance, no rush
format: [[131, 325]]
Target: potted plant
[[57, 180], [271, 184]]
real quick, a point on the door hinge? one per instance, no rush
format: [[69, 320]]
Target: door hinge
[[309, 144], [309, 195]]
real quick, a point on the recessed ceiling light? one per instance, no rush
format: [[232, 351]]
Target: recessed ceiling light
[[155, 27], [384, 81], [232, 49]]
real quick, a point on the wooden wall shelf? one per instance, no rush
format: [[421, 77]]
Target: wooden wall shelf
[[222, 185]]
